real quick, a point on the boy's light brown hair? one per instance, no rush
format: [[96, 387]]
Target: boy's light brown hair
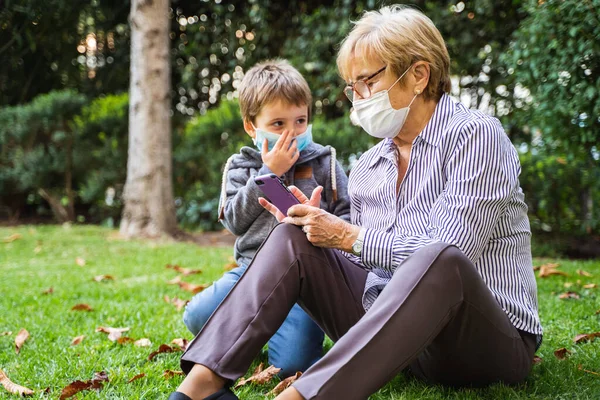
[[269, 81]]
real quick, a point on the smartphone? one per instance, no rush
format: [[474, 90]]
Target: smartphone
[[276, 192]]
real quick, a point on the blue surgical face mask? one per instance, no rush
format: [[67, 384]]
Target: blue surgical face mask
[[302, 140], [261, 135]]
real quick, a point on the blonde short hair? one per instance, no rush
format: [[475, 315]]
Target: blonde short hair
[[399, 36], [269, 81]]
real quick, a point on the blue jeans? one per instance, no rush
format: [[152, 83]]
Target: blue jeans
[[297, 344]]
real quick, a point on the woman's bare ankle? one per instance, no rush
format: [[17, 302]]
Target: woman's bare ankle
[[201, 382]]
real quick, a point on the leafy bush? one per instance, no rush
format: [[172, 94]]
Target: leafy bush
[[555, 58], [349, 141], [559, 192], [38, 153], [102, 137]]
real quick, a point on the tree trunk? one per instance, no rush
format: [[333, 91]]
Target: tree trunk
[[148, 194]]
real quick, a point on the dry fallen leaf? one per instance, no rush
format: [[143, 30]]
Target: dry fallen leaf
[[113, 333], [77, 340], [584, 337], [260, 377], [562, 353], [584, 273], [135, 378], [37, 249], [182, 343], [163, 348], [8, 333], [590, 286], [229, 266], [50, 290], [580, 367], [179, 303], [174, 281], [537, 360], [80, 261], [190, 287], [549, 270], [170, 373], [22, 336], [82, 307], [144, 342], [284, 384], [12, 238], [184, 271], [597, 312], [101, 278], [569, 295], [75, 387], [568, 285], [125, 340], [548, 265], [12, 387]]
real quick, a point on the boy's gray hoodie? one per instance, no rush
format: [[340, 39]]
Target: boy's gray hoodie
[[240, 212]]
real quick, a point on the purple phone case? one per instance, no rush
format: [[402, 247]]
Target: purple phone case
[[276, 192]]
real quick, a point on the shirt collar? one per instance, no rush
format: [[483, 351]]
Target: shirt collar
[[385, 147], [431, 134], [434, 130]]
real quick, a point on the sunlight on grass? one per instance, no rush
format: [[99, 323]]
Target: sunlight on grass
[[46, 256]]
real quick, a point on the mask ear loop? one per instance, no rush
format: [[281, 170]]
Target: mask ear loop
[[413, 99], [397, 80]]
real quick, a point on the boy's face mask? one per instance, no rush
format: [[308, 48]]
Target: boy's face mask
[[302, 140]]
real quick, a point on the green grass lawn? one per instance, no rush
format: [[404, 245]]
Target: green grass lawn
[[46, 256]]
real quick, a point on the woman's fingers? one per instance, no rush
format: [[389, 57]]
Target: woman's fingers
[[301, 214], [315, 197]]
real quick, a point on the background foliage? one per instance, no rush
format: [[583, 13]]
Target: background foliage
[[534, 64]]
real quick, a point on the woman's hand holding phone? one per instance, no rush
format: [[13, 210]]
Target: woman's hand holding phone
[[322, 229], [314, 201]]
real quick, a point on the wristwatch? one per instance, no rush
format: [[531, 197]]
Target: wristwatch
[[358, 243]]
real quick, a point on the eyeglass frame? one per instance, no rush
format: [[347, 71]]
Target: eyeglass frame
[[352, 87]]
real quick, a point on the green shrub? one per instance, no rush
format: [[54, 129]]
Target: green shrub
[[38, 152], [348, 140], [103, 139], [559, 192]]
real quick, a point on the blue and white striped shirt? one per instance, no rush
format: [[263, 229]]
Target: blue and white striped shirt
[[461, 187]]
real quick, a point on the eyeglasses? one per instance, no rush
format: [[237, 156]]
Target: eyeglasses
[[361, 87]]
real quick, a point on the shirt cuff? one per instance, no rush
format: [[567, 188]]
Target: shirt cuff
[[378, 249]]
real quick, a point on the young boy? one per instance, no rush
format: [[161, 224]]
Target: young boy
[[275, 103]]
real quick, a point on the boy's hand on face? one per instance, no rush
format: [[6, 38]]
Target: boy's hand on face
[[284, 154]]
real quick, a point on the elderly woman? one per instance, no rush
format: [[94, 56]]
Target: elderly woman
[[433, 274]]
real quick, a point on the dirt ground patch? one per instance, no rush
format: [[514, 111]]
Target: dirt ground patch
[[222, 238]]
